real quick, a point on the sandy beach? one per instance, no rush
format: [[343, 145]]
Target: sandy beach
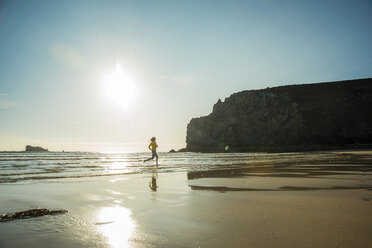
[[313, 203]]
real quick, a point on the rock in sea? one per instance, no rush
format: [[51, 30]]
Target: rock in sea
[[35, 149]]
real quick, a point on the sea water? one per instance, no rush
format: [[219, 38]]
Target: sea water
[[28, 167], [16, 167]]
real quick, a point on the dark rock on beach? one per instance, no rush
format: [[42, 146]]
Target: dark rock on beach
[[172, 151], [322, 116], [30, 213], [35, 149]]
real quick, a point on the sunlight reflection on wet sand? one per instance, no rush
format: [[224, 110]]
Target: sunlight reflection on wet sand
[[116, 224]]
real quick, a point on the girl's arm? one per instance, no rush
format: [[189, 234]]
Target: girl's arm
[[150, 147]]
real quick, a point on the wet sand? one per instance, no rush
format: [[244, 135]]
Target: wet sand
[[313, 203]]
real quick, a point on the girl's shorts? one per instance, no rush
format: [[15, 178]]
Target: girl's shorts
[[154, 154]]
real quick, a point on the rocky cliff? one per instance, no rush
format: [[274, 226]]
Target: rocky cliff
[[330, 115]]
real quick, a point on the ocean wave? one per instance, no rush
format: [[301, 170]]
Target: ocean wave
[[24, 166]]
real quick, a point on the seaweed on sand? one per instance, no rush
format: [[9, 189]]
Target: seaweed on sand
[[30, 214]]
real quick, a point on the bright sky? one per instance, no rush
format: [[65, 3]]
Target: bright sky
[[64, 65]]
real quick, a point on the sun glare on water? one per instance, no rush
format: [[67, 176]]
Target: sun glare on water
[[119, 87], [117, 225]]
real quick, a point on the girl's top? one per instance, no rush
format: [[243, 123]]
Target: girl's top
[[153, 146]]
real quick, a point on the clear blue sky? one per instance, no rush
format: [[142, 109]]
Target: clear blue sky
[[182, 55]]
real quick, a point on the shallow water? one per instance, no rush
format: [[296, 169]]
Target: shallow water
[[23, 167]]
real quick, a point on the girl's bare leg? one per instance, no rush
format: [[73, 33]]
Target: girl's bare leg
[[147, 159]]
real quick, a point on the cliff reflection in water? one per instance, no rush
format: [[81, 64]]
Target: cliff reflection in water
[[117, 225]]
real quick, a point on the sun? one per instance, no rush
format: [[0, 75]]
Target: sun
[[119, 87]]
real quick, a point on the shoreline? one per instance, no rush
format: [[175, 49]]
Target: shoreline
[[289, 149], [364, 147]]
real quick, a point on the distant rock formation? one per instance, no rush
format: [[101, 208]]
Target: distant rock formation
[[180, 150], [318, 116], [35, 149]]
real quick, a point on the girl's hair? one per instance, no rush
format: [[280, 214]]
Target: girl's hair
[[153, 139]]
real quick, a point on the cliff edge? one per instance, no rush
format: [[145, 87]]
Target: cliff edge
[[331, 115]]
